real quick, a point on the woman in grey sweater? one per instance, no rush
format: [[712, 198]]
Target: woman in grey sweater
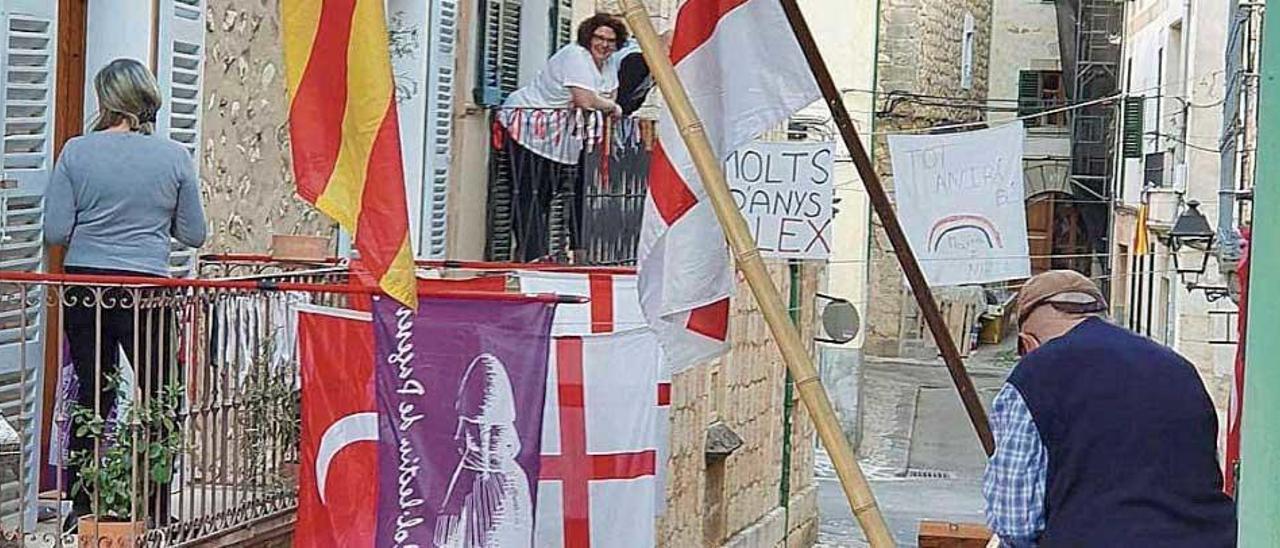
[[117, 197]]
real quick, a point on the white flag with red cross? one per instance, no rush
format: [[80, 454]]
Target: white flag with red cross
[[745, 73], [598, 485], [614, 307]]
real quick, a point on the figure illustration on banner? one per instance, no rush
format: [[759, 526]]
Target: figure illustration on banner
[[488, 502]]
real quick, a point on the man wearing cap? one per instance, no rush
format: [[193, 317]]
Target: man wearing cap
[[1103, 437]]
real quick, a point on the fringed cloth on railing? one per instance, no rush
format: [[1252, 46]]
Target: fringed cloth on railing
[[567, 185]]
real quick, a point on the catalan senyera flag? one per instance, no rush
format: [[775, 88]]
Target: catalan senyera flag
[[344, 130], [1140, 244]]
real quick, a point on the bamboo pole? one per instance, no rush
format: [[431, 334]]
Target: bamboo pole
[[748, 261], [893, 229]]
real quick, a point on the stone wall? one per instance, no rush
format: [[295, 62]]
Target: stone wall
[[249, 189], [920, 53], [738, 502]]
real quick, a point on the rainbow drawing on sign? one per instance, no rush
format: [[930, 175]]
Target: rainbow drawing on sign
[[959, 223]]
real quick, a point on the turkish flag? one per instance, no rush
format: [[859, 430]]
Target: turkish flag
[[338, 482]]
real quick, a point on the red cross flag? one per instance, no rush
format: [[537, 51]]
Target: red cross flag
[[614, 307], [599, 459], [745, 73]]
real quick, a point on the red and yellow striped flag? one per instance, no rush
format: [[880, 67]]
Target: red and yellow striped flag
[[1140, 244], [344, 131]]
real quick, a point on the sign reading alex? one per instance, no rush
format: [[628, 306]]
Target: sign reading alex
[[960, 199], [784, 190]]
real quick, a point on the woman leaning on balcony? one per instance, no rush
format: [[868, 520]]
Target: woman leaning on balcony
[[545, 122], [117, 197]]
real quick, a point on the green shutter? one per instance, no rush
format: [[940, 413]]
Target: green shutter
[[498, 72], [1133, 125], [561, 24], [1029, 93]]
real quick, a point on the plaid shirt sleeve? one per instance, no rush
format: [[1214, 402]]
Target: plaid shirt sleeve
[[1014, 482]]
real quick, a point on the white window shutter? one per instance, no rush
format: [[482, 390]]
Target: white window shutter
[[441, 86], [180, 55], [28, 33], [180, 73]]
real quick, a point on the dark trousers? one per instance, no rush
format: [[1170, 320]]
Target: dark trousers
[[99, 324], [538, 183]]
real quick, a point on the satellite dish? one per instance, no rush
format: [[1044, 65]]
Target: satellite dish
[[840, 320]]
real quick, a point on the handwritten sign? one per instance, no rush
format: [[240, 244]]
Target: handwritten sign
[[960, 200], [784, 190]]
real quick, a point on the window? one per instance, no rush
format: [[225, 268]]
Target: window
[[966, 60], [1039, 91], [1153, 170]]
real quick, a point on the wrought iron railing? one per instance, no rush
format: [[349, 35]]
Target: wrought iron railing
[[599, 183], [176, 405]]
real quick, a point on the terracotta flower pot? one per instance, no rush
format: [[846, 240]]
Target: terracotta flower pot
[[300, 248], [102, 534]]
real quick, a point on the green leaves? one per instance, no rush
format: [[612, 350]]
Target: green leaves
[[145, 436]]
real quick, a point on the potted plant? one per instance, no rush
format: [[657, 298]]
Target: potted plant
[[269, 417], [144, 435]]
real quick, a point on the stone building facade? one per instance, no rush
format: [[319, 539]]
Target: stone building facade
[[247, 174], [740, 501], [921, 50]]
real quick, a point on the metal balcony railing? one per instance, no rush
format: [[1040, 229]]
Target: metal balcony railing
[[176, 403], [599, 186]]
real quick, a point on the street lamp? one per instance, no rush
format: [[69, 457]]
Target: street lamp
[[1191, 241]]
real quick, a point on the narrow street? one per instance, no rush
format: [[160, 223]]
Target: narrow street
[[920, 454], [904, 501]]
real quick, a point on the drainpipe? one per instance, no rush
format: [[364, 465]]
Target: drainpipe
[[788, 407], [1259, 507]]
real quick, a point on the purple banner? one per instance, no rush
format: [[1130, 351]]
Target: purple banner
[[460, 389]]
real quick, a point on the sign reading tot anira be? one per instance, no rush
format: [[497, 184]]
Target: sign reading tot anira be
[[784, 190]]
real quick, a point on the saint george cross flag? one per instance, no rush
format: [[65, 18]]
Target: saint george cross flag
[[598, 455], [745, 73], [614, 304], [614, 307]]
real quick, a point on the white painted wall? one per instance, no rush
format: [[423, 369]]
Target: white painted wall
[[1024, 36], [845, 32], [119, 28]]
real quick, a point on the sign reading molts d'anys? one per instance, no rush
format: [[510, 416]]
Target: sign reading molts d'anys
[[784, 190]]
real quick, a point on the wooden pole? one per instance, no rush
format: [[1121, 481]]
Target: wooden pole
[[793, 350], [884, 209]]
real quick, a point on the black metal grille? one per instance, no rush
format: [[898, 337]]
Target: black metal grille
[[595, 214]]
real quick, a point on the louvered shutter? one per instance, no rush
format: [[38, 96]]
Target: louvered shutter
[[499, 59], [29, 28], [179, 71], [1134, 117], [1029, 93], [561, 24], [441, 86]]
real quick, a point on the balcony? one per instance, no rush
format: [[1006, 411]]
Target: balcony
[[207, 398], [594, 214]]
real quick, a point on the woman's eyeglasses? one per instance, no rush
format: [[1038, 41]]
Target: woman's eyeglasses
[[605, 39]]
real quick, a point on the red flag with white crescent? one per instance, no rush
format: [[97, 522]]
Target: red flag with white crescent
[[337, 480]]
